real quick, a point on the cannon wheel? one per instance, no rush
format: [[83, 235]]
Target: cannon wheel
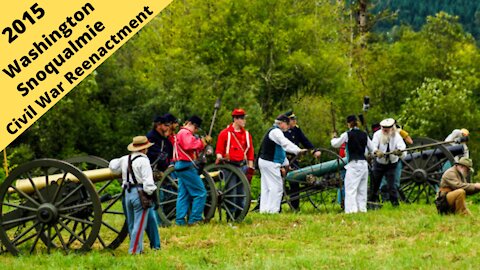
[[224, 175], [114, 228], [168, 192], [66, 213], [325, 192], [420, 176]]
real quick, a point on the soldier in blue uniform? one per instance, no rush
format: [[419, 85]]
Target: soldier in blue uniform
[[296, 135]]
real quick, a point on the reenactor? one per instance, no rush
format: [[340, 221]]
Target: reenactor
[[235, 147]]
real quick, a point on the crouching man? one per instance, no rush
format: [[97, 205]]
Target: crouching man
[[454, 187]]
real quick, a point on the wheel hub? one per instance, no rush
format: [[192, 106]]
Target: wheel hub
[[420, 176], [47, 213]]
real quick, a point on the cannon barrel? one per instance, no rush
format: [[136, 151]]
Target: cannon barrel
[[454, 149], [95, 176], [317, 169]]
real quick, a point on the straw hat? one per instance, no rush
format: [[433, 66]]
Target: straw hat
[[139, 143]]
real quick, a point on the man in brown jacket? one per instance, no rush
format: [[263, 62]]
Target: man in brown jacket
[[455, 185]]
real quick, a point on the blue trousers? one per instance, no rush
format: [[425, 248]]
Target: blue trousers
[[152, 228], [191, 192], [136, 220]]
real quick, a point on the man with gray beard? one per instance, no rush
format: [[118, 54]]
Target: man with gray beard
[[387, 147]]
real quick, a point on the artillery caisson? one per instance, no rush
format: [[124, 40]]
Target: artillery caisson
[[50, 203]]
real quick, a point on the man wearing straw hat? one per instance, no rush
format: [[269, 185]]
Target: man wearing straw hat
[[455, 187], [136, 175]]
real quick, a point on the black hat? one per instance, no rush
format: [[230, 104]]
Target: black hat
[[283, 118], [196, 120], [170, 118], [290, 114], [160, 119], [351, 118], [376, 127]]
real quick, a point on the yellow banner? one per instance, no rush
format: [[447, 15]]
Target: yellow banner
[[48, 47]]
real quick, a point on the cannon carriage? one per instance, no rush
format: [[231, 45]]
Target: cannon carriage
[[76, 205], [419, 174]]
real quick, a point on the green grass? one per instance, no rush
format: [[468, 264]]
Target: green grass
[[410, 237]]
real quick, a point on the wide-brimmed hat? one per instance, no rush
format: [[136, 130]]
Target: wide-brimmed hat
[[465, 162], [387, 123], [139, 143]]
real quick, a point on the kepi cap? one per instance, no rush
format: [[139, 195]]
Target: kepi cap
[[170, 118], [387, 123], [283, 118], [351, 118], [196, 120], [290, 114], [238, 112]]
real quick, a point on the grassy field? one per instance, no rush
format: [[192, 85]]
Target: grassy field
[[410, 237]]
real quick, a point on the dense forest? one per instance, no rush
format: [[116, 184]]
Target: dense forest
[[414, 13], [268, 57]]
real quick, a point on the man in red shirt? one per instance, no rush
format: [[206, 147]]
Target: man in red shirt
[[191, 190], [235, 146]]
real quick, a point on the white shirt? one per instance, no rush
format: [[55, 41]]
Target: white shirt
[[457, 133], [276, 135], [141, 168], [395, 142], [337, 142]]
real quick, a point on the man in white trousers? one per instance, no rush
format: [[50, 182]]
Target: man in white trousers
[[356, 177], [271, 158]]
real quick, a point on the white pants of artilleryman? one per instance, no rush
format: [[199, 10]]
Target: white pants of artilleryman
[[356, 182], [271, 186]]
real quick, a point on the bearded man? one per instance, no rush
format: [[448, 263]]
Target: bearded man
[[387, 147]]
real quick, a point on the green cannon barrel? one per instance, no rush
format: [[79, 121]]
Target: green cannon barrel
[[317, 170]]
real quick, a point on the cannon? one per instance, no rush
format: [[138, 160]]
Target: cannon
[[76, 204], [420, 174], [423, 166], [49, 203], [319, 183]]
